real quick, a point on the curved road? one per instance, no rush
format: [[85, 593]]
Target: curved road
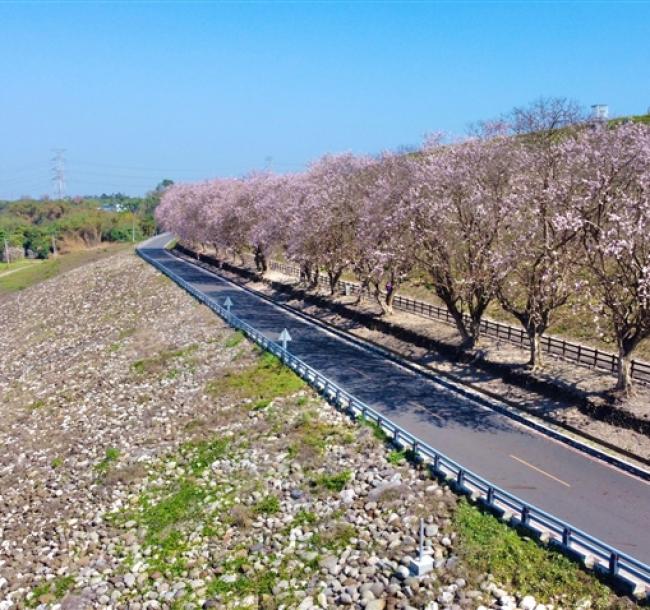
[[588, 493]]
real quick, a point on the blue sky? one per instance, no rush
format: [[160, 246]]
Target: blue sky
[[136, 92]]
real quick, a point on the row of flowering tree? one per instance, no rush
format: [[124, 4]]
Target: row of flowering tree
[[533, 220]]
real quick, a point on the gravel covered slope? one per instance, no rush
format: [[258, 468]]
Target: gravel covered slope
[[70, 394], [154, 459]]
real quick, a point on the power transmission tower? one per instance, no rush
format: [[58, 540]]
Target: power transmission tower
[[58, 172]]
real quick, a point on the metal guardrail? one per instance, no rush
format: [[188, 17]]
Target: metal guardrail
[[593, 552], [567, 350]]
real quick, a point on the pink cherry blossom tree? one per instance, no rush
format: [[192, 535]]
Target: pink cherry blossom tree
[[324, 232], [182, 210], [614, 222], [537, 255], [274, 203], [385, 243], [459, 207]]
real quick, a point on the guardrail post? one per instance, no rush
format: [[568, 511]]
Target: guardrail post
[[525, 515], [566, 536], [460, 477], [613, 564], [490, 496]]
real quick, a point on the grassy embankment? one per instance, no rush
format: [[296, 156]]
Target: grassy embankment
[[23, 274]]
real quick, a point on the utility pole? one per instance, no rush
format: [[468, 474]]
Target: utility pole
[[58, 172], [6, 251], [133, 208]]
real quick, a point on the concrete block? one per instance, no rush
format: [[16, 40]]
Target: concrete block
[[420, 567]]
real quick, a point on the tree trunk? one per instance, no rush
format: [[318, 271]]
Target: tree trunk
[[260, 261], [379, 297], [536, 360], [334, 277], [624, 381], [305, 272], [390, 298], [363, 288], [474, 330], [459, 320], [385, 301], [451, 303], [312, 276]]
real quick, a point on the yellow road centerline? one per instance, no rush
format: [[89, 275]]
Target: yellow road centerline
[[546, 474]]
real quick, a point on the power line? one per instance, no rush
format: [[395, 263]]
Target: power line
[[135, 168], [42, 175], [112, 175]]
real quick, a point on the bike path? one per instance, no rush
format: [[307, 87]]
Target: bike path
[[584, 491]]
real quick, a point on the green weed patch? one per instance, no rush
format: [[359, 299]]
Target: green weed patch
[[519, 563], [266, 380], [334, 482], [159, 362]]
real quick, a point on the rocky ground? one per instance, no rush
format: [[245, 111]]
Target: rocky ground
[[155, 459]]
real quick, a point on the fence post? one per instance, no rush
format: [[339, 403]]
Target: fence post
[[596, 357]]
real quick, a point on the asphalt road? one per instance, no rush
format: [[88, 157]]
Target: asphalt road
[[584, 491]]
